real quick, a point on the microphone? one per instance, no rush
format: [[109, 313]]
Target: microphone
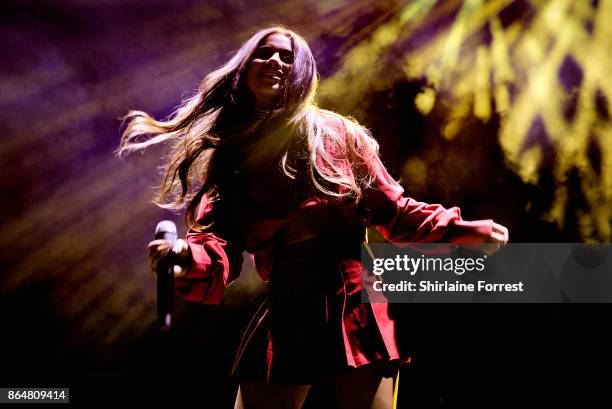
[[166, 230]]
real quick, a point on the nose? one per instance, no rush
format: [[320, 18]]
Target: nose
[[275, 60]]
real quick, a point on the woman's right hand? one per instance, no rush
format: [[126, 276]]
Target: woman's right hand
[[158, 249]]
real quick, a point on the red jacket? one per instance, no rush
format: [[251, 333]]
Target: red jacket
[[265, 200], [216, 261]]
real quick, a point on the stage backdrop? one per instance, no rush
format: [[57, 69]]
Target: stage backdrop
[[501, 107]]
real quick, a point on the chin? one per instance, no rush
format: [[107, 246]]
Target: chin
[[269, 92]]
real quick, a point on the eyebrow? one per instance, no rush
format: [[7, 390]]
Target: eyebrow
[[276, 48]]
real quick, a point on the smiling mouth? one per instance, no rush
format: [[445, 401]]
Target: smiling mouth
[[272, 75]]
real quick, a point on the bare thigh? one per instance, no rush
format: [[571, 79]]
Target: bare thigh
[[364, 388], [257, 395]]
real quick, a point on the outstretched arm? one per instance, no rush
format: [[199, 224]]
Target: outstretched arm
[[402, 219]]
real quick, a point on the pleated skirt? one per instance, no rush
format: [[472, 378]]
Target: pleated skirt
[[313, 325]]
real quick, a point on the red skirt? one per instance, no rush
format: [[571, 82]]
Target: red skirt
[[313, 325]]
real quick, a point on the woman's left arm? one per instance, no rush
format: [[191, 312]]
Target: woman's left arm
[[403, 219]]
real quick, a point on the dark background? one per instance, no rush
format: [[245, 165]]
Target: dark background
[[77, 298]]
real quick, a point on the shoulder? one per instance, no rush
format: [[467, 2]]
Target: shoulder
[[342, 129], [348, 132], [332, 122]]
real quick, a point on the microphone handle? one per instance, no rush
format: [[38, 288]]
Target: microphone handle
[[165, 292], [165, 286]]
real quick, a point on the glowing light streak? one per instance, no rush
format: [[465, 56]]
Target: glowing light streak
[[520, 71]]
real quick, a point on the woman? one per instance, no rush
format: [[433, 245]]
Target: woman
[[260, 168]]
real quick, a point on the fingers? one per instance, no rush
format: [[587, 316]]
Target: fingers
[[499, 233], [183, 255], [178, 270], [158, 249], [498, 237], [181, 248]]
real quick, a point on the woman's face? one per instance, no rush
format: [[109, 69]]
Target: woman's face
[[268, 70]]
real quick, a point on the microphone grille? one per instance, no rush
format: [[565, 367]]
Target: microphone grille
[[165, 226], [166, 230]]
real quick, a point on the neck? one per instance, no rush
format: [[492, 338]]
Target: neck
[[266, 103]]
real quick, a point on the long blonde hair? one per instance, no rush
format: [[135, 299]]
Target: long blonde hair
[[222, 114]]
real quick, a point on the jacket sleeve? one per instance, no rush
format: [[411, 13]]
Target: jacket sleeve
[[403, 219], [216, 259]]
